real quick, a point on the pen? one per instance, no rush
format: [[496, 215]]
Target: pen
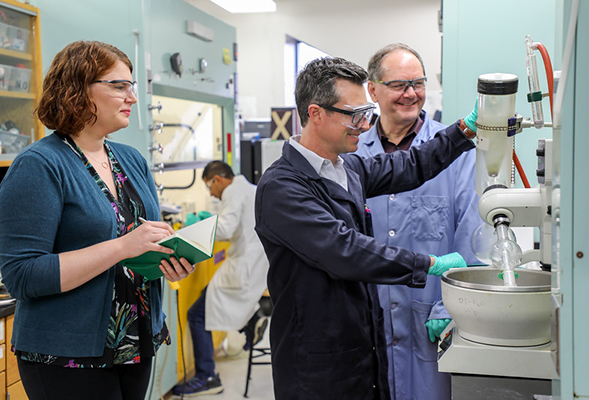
[[142, 220]]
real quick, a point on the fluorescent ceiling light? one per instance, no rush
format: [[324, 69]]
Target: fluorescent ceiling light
[[246, 6]]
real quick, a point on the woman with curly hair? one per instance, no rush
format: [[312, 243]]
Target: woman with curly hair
[[85, 326]]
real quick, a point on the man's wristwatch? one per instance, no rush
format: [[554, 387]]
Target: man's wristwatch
[[466, 130]]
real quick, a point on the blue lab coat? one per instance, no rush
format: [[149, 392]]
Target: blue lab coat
[[326, 333], [436, 218]]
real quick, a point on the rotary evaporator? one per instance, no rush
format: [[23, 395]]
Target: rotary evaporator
[[499, 342]]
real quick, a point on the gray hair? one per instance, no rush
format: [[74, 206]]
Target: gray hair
[[374, 65], [316, 82]]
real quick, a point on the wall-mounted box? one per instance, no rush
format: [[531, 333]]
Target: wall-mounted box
[[200, 31]]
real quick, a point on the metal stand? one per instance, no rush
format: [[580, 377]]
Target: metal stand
[[260, 352], [487, 372], [265, 311], [469, 387]]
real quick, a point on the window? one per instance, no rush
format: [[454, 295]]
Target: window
[[296, 55]]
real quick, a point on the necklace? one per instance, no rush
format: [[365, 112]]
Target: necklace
[[105, 164]]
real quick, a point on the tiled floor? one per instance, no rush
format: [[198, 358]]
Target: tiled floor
[[233, 370]]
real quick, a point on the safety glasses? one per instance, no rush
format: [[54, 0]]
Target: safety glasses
[[353, 116], [401, 85], [120, 88]]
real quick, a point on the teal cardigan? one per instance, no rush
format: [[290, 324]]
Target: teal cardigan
[[50, 204]]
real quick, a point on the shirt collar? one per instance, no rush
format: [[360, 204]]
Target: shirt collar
[[414, 130], [405, 142], [322, 166], [313, 159]]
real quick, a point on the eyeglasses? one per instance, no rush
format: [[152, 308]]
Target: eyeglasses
[[359, 114], [209, 183], [120, 88], [401, 85]]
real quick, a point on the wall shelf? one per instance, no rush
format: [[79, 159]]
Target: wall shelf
[[16, 54], [17, 95], [20, 48]]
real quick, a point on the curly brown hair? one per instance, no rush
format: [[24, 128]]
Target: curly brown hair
[[65, 104]]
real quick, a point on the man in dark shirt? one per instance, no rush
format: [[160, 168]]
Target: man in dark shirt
[[326, 332]]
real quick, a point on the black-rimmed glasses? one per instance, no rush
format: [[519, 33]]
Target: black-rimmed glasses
[[120, 88], [401, 85], [359, 114]]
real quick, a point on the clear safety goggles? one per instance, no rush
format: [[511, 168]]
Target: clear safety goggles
[[120, 88], [353, 116], [401, 85]]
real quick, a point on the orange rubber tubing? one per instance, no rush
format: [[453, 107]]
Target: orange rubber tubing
[[549, 72], [520, 170]]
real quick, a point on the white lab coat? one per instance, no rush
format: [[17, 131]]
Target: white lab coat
[[239, 283]]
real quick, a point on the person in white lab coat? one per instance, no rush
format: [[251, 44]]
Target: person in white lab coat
[[231, 298]]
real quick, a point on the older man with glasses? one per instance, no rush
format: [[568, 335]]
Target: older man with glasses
[[436, 218]]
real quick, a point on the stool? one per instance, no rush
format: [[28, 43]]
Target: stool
[[265, 312]]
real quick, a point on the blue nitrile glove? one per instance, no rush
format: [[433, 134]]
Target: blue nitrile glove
[[444, 263], [471, 119], [203, 215], [435, 327], [190, 219]]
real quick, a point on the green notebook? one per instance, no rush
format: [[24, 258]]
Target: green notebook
[[195, 243]]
